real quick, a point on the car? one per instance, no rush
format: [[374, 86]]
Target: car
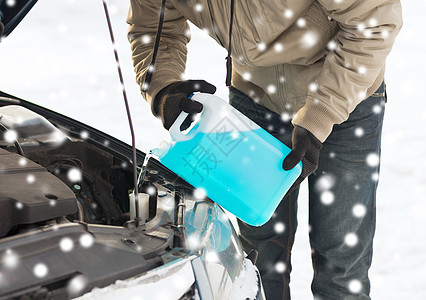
[[66, 224]]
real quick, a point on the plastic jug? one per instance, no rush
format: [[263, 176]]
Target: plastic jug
[[236, 162]]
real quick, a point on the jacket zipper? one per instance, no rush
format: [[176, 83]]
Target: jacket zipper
[[240, 55], [280, 85]]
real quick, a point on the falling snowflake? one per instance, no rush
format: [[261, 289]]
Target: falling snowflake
[[146, 39], [385, 34], [361, 27], [301, 22], [145, 86], [200, 193], [373, 159], [285, 117], [279, 227], [332, 155], [313, 87], [22, 162], [84, 135], [327, 198], [86, 240], [282, 79], [359, 132], [261, 46], [362, 70], [247, 75], [280, 267], [198, 7], [76, 285], [278, 47], [272, 89], [30, 178], [325, 182], [355, 286], [66, 244], [10, 259], [10, 136], [11, 3], [368, 33], [19, 205], [377, 109], [40, 270], [372, 22], [75, 175], [288, 13], [362, 95], [351, 239], [359, 210], [375, 176], [332, 45], [309, 39], [151, 190]]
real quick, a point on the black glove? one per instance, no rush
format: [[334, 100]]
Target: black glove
[[173, 99], [305, 146]]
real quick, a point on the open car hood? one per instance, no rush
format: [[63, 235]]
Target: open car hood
[[12, 13]]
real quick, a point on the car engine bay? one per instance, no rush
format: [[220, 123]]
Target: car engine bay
[[54, 175]]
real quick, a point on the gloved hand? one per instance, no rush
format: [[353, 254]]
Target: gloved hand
[[305, 146], [173, 99]]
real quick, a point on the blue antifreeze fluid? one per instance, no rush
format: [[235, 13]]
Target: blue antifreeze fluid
[[237, 163]]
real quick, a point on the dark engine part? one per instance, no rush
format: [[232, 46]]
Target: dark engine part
[[29, 194], [100, 255], [95, 191], [102, 191]]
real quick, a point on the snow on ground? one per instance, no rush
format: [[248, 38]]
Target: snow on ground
[[60, 57]]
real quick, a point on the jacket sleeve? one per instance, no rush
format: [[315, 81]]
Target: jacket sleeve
[[354, 67], [170, 64]]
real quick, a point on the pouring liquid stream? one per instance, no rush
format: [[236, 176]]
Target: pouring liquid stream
[[144, 168]]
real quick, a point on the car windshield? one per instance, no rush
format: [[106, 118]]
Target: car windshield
[[61, 57]]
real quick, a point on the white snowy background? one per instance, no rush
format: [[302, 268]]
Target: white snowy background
[[61, 57]]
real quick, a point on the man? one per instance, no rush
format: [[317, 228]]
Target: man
[[311, 73]]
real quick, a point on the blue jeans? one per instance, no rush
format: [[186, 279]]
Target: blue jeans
[[342, 208]]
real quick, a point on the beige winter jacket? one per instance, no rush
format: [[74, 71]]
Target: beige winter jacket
[[314, 60]]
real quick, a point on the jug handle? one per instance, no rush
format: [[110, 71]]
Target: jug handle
[[175, 131]]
